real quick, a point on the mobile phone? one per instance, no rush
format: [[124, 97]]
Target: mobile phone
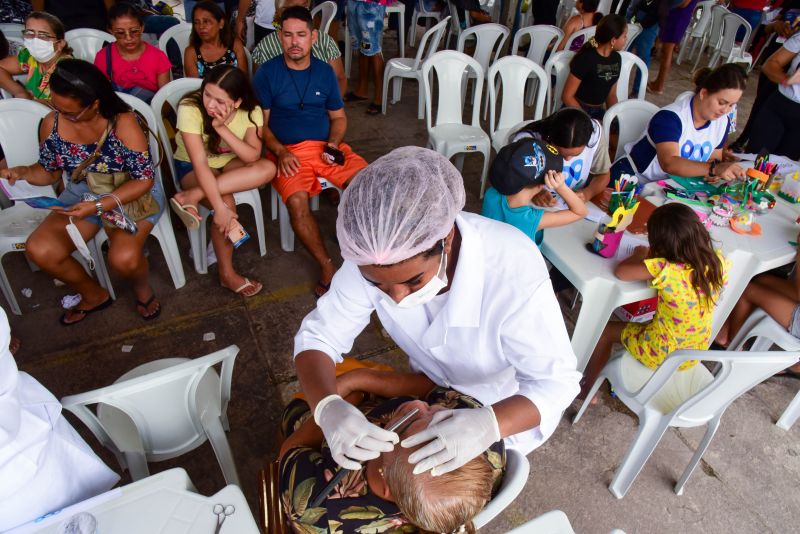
[[237, 234], [335, 153]]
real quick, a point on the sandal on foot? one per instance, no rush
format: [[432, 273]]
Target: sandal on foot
[[83, 313], [191, 220], [373, 109], [249, 288], [320, 289], [145, 305], [352, 97]]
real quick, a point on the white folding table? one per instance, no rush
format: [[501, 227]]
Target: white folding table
[[166, 503], [602, 292]]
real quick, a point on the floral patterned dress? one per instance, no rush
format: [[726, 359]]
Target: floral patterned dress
[[351, 507], [682, 319]]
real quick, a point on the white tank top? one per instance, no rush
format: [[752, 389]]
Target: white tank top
[[576, 170], [694, 144]]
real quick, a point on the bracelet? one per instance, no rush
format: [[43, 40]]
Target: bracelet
[[98, 206], [712, 167]]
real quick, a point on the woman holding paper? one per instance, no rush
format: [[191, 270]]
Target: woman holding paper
[[92, 130], [686, 138], [776, 127]]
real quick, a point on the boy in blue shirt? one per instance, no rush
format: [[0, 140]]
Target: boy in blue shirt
[[518, 173]]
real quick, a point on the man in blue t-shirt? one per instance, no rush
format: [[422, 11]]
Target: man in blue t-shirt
[[304, 124]]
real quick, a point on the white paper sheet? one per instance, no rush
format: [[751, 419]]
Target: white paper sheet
[[628, 243], [22, 189]]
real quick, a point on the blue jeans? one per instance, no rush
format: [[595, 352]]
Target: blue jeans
[[366, 26], [642, 46]]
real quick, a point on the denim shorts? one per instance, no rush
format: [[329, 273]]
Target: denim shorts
[[366, 26], [182, 168], [73, 193]]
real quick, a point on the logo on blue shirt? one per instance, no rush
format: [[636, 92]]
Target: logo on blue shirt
[[699, 152]]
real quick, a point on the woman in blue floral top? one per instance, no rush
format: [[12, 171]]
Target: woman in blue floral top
[[85, 107], [384, 496]]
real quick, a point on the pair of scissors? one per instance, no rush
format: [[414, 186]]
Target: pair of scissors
[[222, 511], [340, 474]]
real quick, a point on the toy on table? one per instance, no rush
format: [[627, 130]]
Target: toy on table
[[608, 235], [721, 214], [790, 190], [743, 222], [625, 192]]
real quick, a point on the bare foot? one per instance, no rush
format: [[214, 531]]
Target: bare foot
[[653, 88]]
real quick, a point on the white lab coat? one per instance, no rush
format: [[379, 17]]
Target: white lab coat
[[44, 463], [499, 334]]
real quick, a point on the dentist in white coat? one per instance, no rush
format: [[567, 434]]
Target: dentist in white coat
[[469, 301]]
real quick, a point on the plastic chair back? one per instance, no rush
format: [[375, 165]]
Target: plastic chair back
[[490, 39], [542, 38], [450, 67], [87, 42], [557, 66], [633, 32], [163, 411], [731, 22], [19, 131], [552, 522], [715, 32], [12, 29], [429, 44], [513, 72], [564, 11], [517, 470], [586, 33], [702, 17], [633, 116], [171, 94], [180, 33], [327, 11], [604, 7], [455, 22], [629, 62]]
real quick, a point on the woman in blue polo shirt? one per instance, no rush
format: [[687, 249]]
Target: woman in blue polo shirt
[[686, 138]]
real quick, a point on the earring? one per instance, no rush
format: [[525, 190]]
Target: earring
[[380, 471]]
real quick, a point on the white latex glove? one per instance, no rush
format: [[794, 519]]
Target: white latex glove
[[350, 436], [458, 437]]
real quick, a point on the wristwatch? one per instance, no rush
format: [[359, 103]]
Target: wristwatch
[[98, 206], [712, 168]]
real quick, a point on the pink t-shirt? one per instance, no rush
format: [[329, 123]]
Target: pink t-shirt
[[142, 72]]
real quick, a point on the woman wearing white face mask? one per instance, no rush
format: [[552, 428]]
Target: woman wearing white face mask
[[44, 47], [467, 299]]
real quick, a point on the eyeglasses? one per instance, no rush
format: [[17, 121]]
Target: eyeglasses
[[72, 117], [32, 34], [121, 34]]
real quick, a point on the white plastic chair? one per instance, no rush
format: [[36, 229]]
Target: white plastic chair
[[633, 32], [542, 38], [399, 9], [633, 116], [399, 68], [172, 93], [19, 137], [516, 475], [490, 39], [696, 31], [87, 42], [163, 229], [553, 522], [713, 32], [12, 29], [586, 33], [327, 11], [737, 373], [729, 51], [161, 410], [180, 33], [629, 62], [419, 14], [455, 23], [284, 219], [449, 135], [564, 12], [767, 331], [557, 66], [513, 73]]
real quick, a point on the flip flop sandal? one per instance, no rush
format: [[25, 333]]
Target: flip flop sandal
[[146, 305], [83, 313], [323, 287], [352, 97], [373, 109], [247, 283], [191, 220]]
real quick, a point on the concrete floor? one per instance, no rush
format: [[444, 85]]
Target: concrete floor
[[749, 478]]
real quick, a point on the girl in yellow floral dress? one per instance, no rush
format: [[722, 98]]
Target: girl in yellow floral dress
[[682, 265]]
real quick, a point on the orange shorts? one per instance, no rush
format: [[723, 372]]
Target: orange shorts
[[311, 166]]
